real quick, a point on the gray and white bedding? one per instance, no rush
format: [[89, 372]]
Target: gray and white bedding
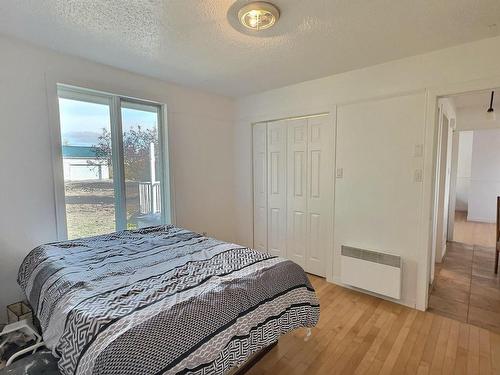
[[162, 300]]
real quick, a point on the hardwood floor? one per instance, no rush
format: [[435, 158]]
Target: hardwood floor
[[361, 334], [466, 287], [473, 233]]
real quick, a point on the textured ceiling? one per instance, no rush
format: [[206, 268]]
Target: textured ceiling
[[193, 42]]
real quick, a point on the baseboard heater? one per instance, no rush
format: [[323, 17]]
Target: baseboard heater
[[370, 270]]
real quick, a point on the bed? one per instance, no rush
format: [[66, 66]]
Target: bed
[[162, 300]]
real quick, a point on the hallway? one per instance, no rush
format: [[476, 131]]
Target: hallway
[[471, 232], [465, 286]]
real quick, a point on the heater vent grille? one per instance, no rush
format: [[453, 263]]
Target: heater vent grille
[[372, 256]]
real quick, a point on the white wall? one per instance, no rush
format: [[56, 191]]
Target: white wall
[[464, 169], [485, 176], [437, 70], [472, 118], [200, 127], [378, 199]]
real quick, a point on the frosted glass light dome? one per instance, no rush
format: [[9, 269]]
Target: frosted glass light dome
[[258, 15]]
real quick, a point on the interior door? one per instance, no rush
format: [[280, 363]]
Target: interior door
[[319, 193], [276, 167], [444, 188], [260, 186], [296, 192]]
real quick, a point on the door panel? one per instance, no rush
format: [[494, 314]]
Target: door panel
[[276, 148], [315, 237], [260, 186], [141, 159], [319, 191], [315, 164], [296, 195], [298, 171], [90, 196], [275, 171], [275, 242]]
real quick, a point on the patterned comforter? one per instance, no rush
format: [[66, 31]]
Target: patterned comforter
[[162, 300]]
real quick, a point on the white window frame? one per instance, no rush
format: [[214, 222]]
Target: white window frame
[[114, 102]]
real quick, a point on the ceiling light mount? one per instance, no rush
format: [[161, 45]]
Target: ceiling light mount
[[258, 15], [491, 111]]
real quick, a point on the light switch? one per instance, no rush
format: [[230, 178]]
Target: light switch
[[418, 176], [419, 151], [340, 173]]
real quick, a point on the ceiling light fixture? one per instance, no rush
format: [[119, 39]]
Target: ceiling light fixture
[[258, 15], [490, 113]]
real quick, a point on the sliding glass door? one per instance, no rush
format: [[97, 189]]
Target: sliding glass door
[[114, 163], [141, 163]]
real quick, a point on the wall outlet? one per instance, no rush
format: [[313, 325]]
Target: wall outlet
[[339, 173]]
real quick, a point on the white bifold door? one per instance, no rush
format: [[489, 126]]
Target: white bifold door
[[299, 180], [260, 186], [276, 187]]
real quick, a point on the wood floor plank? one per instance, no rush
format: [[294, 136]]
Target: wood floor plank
[[346, 348], [361, 334], [440, 351], [451, 349], [404, 356], [388, 343], [418, 350], [338, 344], [484, 352], [462, 350], [396, 349], [368, 357], [430, 344], [359, 351], [473, 353], [495, 352]]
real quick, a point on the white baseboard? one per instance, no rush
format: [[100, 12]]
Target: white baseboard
[[481, 219]]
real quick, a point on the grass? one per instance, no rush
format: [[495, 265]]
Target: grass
[[90, 208]]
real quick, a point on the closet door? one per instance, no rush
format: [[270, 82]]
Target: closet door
[[319, 193], [276, 178], [260, 187], [297, 191]]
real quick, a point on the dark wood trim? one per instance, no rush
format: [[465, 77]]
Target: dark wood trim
[[497, 244]]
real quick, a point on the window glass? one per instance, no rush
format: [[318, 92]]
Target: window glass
[[112, 162]]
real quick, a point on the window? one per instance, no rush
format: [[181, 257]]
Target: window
[[114, 163]]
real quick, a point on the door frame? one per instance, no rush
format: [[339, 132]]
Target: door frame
[[114, 100], [332, 113], [429, 217], [443, 176], [453, 183]]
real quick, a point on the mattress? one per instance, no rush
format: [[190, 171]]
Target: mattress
[[162, 300]]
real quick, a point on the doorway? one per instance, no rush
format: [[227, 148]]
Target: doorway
[[464, 285]]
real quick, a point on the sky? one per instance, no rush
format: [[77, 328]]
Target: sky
[[82, 122]]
